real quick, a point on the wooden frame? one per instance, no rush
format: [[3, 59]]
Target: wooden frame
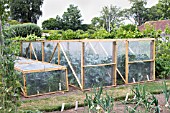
[[81, 82], [24, 72]]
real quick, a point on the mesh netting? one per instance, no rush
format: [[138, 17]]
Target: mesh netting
[[37, 48], [139, 72], [44, 82], [139, 50], [29, 65], [26, 49], [48, 50], [98, 53], [73, 53], [121, 60], [95, 76]]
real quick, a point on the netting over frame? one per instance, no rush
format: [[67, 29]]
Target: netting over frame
[[45, 82], [90, 61]]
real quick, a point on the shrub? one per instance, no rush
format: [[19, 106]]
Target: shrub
[[163, 59], [23, 30]]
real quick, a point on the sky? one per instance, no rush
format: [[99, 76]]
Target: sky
[[88, 8]]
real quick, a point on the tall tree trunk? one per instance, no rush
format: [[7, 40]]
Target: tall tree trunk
[[1, 35]]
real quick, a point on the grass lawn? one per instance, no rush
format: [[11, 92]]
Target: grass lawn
[[54, 102]]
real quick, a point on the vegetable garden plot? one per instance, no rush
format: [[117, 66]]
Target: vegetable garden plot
[[106, 61], [39, 78]]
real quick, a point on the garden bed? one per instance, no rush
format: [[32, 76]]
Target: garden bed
[[49, 103]]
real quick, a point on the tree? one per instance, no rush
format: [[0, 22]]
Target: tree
[[72, 18], [138, 11], [26, 10], [97, 22], [111, 16], [49, 24], [164, 7], [4, 12]]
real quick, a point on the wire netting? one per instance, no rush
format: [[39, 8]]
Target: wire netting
[[45, 82]]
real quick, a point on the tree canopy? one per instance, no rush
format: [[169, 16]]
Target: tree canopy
[[26, 10], [71, 19]]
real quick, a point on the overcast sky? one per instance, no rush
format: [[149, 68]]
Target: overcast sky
[[88, 8]]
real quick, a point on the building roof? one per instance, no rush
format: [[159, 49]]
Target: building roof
[[158, 25]]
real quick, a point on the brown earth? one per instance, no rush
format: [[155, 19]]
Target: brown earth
[[119, 107]]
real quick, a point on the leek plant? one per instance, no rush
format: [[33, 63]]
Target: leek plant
[[166, 93], [99, 103], [143, 99]]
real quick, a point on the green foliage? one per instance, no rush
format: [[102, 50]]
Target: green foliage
[[138, 11], [71, 18], [163, 7], [101, 34], [163, 58], [129, 27], [151, 32], [31, 37], [23, 30], [26, 10], [9, 84], [99, 103], [50, 24], [166, 93], [13, 22], [4, 13], [144, 99], [167, 29]]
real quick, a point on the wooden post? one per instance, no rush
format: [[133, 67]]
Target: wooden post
[[43, 55], [53, 53], [58, 46], [30, 50], [24, 81], [126, 62], [66, 71], [82, 64], [152, 55], [21, 48], [114, 50]]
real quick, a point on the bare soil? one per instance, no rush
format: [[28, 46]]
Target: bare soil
[[119, 107]]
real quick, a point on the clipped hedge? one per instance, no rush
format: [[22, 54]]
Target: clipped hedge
[[22, 30]]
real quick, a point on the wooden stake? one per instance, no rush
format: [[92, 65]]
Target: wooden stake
[[121, 75], [126, 62], [82, 64], [62, 108], [76, 106], [25, 88], [58, 46], [126, 96], [66, 71], [34, 52], [114, 49], [43, 55], [153, 59], [53, 53], [30, 50]]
